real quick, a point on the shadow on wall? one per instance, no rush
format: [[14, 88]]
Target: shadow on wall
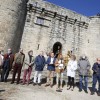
[[20, 28]]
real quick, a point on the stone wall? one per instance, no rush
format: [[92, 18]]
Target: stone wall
[[56, 30], [72, 36], [92, 39], [12, 19]]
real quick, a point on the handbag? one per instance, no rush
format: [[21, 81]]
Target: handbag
[[58, 70]]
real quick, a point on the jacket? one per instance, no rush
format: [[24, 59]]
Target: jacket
[[22, 58], [59, 65], [71, 68], [8, 61], [83, 66], [49, 60], [96, 69], [39, 63], [26, 61]]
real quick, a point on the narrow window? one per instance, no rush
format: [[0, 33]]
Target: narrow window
[[88, 41], [28, 18], [38, 46]]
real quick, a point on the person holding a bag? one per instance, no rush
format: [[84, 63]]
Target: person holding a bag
[[59, 72], [71, 71], [29, 62]]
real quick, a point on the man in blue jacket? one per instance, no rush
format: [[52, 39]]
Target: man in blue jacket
[[39, 66], [96, 76]]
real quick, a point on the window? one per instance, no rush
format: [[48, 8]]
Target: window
[[38, 46], [40, 21], [28, 18]]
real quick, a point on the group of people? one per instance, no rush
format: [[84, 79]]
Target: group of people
[[55, 66]]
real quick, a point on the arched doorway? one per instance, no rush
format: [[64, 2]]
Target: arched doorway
[[57, 48]]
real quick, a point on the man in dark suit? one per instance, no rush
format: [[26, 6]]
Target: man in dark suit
[[7, 65]]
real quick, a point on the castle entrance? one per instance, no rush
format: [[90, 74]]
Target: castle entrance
[[57, 48]]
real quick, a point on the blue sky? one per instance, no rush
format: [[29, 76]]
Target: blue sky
[[85, 7]]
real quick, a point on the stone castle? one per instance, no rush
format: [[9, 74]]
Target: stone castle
[[40, 25]]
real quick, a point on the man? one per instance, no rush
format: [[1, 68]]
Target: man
[[96, 76], [17, 65], [39, 66], [29, 62], [83, 69], [7, 65]]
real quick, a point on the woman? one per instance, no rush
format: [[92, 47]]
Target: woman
[[29, 62], [59, 71], [51, 69], [71, 69]]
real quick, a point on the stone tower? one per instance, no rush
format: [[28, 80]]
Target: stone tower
[[12, 19], [92, 38]]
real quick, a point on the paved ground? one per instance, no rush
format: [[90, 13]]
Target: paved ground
[[20, 92]]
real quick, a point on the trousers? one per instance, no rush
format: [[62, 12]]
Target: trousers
[[27, 74], [17, 69], [37, 75]]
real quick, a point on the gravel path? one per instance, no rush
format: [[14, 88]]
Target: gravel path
[[20, 92]]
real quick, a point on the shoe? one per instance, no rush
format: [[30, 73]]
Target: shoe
[[39, 84], [80, 90], [12, 82], [72, 89], [98, 93], [68, 88], [34, 84], [86, 91], [92, 93], [47, 85], [58, 90]]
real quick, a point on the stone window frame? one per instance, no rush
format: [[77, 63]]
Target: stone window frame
[[40, 20]]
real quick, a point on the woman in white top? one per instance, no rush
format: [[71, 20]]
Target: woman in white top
[[71, 70]]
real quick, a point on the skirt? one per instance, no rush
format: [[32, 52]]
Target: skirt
[[51, 68]]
